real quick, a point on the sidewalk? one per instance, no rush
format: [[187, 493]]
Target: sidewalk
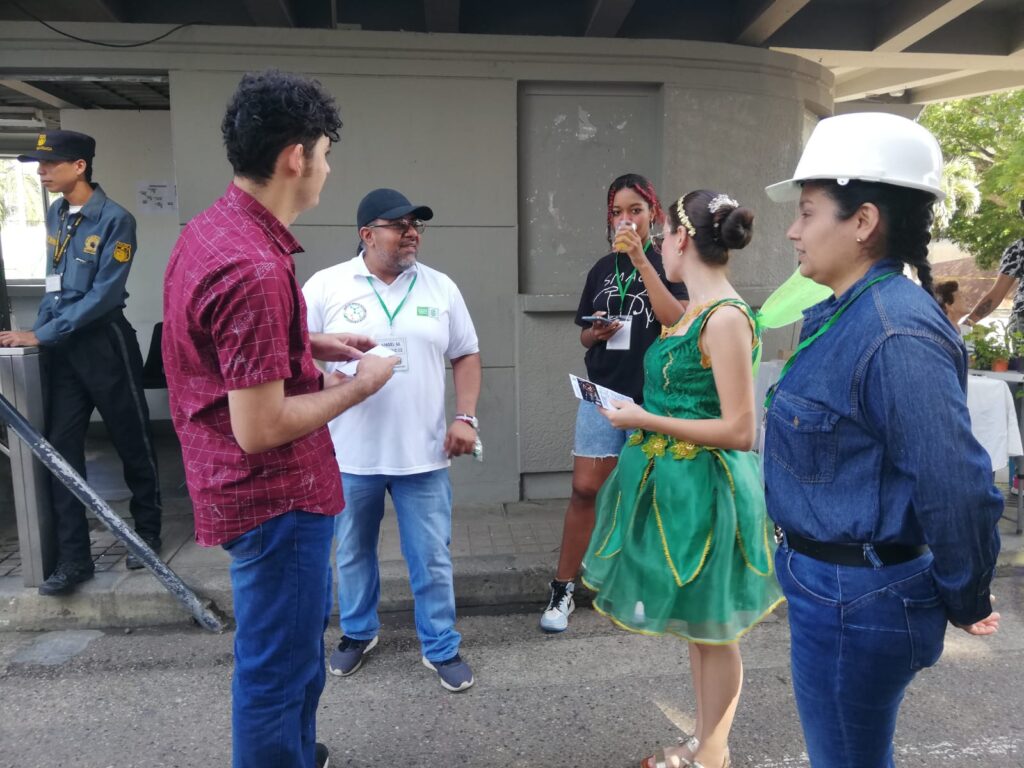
[[503, 554]]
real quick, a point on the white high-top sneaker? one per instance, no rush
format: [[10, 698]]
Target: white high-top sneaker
[[556, 616]]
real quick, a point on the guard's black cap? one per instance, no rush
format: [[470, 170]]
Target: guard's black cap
[[61, 145], [389, 204]]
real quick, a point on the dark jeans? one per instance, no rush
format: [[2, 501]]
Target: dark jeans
[[858, 637], [100, 367], [281, 583]]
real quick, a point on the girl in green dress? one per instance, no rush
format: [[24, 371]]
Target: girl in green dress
[[681, 543]]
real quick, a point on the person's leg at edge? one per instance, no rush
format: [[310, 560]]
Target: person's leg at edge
[[68, 419], [721, 679], [677, 756], [588, 475], [356, 538], [280, 590], [316, 683], [423, 504]]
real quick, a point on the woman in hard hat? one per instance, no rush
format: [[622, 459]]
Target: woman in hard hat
[[620, 313], [682, 544], [883, 500]]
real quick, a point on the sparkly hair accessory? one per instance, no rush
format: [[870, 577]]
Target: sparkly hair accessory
[[684, 219], [718, 202]]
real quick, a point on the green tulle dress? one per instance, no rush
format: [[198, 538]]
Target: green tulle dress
[[681, 543]]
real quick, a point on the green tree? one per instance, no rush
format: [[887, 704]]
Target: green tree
[[987, 131]]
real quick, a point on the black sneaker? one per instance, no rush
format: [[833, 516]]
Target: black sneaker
[[65, 577], [133, 563], [323, 757]]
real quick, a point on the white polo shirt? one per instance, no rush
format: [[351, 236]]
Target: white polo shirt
[[400, 429]]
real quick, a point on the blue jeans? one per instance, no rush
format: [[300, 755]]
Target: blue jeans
[[423, 504], [281, 582], [858, 637], [595, 436]]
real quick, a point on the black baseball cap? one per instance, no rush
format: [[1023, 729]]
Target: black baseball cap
[[389, 204], [61, 145]]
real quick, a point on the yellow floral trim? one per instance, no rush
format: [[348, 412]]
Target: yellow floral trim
[[655, 446], [611, 530], [725, 468], [683, 450], [664, 370]]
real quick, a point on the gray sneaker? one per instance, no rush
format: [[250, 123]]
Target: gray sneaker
[[348, 656], [454, 673]]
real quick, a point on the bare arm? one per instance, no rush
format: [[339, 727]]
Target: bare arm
[[468, 375], [667, 308], [991, 299], [263, 417], [727, 341]]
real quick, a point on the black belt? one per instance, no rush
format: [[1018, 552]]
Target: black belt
[[852, 554]]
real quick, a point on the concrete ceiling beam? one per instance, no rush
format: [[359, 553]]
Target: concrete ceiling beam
[[37, 93], [906, 60], [909, 22], [605, 17], [767, 19], [977, 84], [270, 13], [885, 81]]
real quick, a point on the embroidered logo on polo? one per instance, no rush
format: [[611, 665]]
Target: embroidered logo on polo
[[427, 312], [354, 312]]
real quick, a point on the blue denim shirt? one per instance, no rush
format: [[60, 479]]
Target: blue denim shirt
[[868, 439], [94, 268]]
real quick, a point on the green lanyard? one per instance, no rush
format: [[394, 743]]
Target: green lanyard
[[391, 315], [819, 333], [623, 287]]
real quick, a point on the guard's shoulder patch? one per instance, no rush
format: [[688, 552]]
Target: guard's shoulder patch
[[122, 252]]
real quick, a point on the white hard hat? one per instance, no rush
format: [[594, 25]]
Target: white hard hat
[[870, 146]]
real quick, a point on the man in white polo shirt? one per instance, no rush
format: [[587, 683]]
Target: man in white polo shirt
[[397, 441]]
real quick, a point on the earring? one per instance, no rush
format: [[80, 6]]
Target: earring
[[860, 239]]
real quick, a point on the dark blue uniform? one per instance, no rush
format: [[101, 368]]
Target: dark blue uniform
[[93, 360]]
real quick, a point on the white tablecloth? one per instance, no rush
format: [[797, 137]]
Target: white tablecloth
[[993, 419]]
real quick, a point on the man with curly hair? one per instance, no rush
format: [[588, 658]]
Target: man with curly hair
[[250, 408]]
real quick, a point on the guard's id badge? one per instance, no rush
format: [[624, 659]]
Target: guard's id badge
[[620, 340], [53, 283], [399, 346]]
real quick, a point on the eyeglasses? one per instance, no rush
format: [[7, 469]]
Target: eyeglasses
[[401, 226]]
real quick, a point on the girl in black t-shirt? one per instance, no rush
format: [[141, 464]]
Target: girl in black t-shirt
[[615, 350]]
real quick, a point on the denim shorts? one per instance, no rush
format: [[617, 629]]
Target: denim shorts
[[596, 438]]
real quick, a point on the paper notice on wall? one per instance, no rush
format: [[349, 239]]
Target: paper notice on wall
[[156, 197]]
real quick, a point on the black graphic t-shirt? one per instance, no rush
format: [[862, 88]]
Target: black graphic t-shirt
[[622, 370], [1012, 265]]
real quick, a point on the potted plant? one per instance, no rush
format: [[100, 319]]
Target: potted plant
[[989, 348]]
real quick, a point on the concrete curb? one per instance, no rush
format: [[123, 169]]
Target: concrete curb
[[121, 599]]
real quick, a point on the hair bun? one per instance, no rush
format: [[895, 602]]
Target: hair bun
[[736, 228]]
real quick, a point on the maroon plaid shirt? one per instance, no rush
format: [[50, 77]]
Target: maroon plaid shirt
[[234, 317]]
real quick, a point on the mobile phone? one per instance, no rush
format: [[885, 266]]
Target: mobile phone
[[603, 319]]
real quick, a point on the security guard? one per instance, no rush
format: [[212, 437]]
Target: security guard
[[93, 357]]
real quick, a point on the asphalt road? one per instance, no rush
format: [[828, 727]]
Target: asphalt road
[[595, 696]]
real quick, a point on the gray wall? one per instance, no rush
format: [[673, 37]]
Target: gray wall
[[459, 123]]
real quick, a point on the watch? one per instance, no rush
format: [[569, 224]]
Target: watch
[[471, 420]]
